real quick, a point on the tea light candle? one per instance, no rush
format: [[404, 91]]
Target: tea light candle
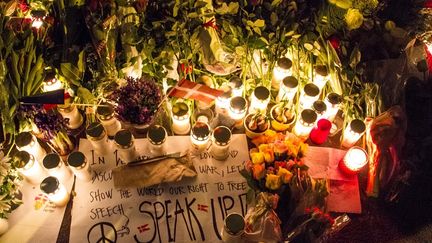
[[321, 76], [332, 102], [72, 113], [200, 136], [236, 85], [233, 228], [220, 143], [181, 119], [29, 167], [288, 90], [259, 100], [157, 135], [55, 167], [25, 141], [320, 109], [237, 110], [51, 83], [353, 132], [98, 138], [105, 114], [305, 123], [55, 191], [280, 71], [125, 144], [222, 103], [79, 166], [309, 95], [354, 160]]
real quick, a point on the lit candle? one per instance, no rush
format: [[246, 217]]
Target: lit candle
[[333, 102], [353, 161], [55, 191], [353, 132], [51, 83], [79, 166], [309, 95], [38, 16], [29, 167], [157, 135], [200, 136], [98, 138], [220, 143], [105, 113], [25, 141], [180, 118], [321, 76], [222, 103], [237, 110], [236, 85], [280, 71], [260, 99], [125, 144], [288, 90], [320, 132], [305, 123], [56, 167], [71, 112], [320, 109], [233, 228]]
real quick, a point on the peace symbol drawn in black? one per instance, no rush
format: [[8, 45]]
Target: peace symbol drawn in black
[[106, 232]]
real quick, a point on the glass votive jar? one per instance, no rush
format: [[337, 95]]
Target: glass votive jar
[[80, 166], [222, 103], [353, 161], [180, 118], [55, 191], [25, 141], [98, 138], [200, 136], [280, 71], [106, 115], [51, 83], [55, 167], [238, 110], [71, 112], [220, 143], [288, 89], [233, 228], [236, 85], [321, 76], [305, 123], [157, 136], [29, 167], [309, 95], [320, 108], [260, 99], [333, 102], [125, 144], [353, 132]]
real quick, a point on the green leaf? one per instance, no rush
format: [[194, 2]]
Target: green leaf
[[71, 73], [81, 62], [355, 57], [273, 18], [86, 96], [10, 7], [192, 15], [259, 23], [276, 3]]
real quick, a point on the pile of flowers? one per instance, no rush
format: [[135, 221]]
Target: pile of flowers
[[9, 184]]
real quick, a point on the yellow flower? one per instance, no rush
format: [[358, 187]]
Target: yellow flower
[[389, 25], [353, 19], [263, 147], [345, 4], [258, 171], [257, 157], [273, 182], [285, 175]]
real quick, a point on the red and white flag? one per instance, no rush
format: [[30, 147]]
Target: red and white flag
[[189, 90]]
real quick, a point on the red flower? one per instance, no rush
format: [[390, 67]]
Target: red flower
[[211, 23], [23, 6], [334, 42], [186, 68], [48, 107]]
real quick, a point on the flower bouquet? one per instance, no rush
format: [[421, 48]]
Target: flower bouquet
[[137, 101], [277, 167]]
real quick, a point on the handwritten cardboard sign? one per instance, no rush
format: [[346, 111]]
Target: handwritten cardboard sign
[[191, 210]]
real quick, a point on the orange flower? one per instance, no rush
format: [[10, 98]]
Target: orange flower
[[258, 171]]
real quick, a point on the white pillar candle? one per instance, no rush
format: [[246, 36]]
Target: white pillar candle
[[54, 165], [98, 138], [79, 166], [200, 136], [320, 109], [220, 143], [125, 144], [237, 86], [72, 113], [309, 95], [233, 228], [55, 191], [51, 83], [29, 167], [157, 136], [353, 132], [237, 110], [25, 141], [332, 102], [222, 103], [321, 76], [354, 160], [281, 71], [305, 123], [106, 115], [180, 118], [288, 89], [259, 100]]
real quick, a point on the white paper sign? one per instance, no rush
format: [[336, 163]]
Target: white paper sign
[[191, 210]]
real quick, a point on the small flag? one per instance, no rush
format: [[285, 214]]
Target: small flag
[[51, 97], [190, 90]]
